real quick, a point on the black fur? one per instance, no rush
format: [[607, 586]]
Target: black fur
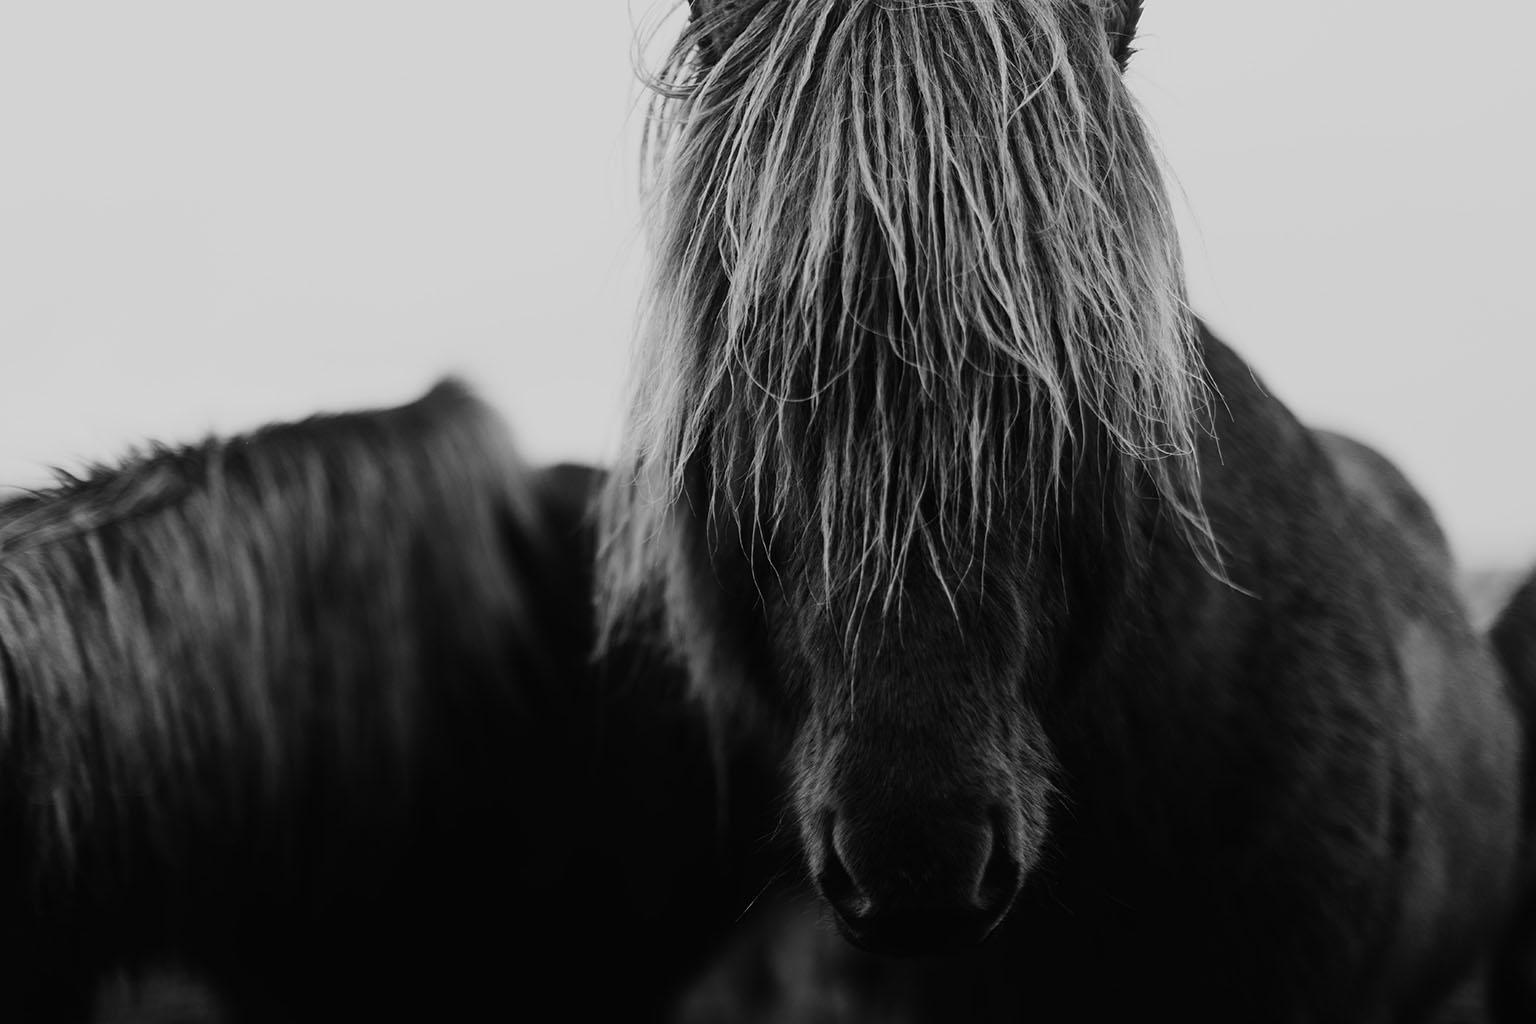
[[311, 715], [1514, 638], [1124, 18]]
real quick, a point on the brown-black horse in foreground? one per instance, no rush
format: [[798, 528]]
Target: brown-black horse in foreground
[[1080, 652], [309, 718]]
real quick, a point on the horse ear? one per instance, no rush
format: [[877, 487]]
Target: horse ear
[[1123, 18]]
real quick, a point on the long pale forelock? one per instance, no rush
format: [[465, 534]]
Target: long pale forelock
[[959, 194]]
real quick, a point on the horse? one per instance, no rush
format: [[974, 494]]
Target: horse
[[1079, 658], [303, 724]]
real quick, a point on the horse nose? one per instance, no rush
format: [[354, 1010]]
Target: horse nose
[[944, 887]]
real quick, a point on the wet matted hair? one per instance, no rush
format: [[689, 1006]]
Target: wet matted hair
[[886, 235]]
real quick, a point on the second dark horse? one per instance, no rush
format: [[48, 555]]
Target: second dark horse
[[303, 726]]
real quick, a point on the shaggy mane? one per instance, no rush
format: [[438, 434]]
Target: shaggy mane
[[909, 255], [243, 630]]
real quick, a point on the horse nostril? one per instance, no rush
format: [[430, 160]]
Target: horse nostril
[[835, 881]]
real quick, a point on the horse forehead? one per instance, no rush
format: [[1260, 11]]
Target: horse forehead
[[975, 631]]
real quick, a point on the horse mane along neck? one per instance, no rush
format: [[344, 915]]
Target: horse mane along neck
[[909, 257], [263, 617]]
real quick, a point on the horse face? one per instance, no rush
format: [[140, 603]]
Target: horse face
[[827, 382], [919, 770]]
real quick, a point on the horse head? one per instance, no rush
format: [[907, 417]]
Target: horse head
[[918, 327]]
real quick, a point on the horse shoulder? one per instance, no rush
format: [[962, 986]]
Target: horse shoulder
[[1369, 568], [1463, 739]]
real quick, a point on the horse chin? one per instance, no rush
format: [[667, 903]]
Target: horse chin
[[901, 890], [920, 932]]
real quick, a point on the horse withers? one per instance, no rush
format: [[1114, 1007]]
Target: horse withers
[[1077, 648]]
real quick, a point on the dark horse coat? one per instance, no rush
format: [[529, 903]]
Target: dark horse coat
[[310, 717]]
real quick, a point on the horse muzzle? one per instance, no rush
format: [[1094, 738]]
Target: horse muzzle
[[924, 885]]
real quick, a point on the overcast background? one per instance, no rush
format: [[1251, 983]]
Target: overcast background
[[214, 215]]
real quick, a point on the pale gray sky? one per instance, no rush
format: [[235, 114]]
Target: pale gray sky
[[212, 216]]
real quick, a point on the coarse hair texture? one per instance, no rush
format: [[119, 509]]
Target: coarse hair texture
[[909, 255], [250, 644]]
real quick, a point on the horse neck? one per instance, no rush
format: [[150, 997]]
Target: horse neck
[[1177, 668]]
